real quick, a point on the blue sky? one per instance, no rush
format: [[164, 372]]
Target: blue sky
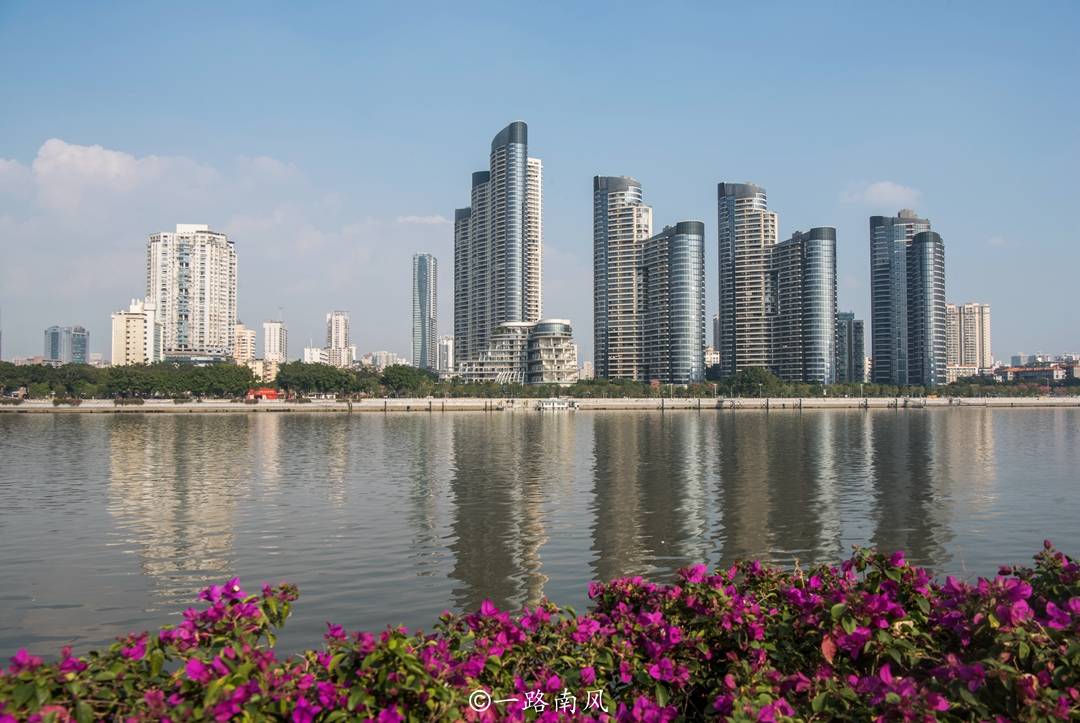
[[333, 141]]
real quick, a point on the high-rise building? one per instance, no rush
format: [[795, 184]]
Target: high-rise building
[[746, 233], [67, 345], [968, 335], [339, 352], [802, 289], [671, 304], [191, 281], [425, 302], [622, 224], [850, 348], [890, 238], [137, 337], [243, 344], [446, 354], [275, 342], [498, 244], [716, 335], [927, 334]]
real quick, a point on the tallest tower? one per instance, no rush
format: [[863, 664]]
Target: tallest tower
[[498, 243]]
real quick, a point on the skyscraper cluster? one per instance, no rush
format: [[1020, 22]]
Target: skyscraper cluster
[[648, 290], [67, 345]]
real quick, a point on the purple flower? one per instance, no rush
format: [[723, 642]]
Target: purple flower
[[488, 609], [196, 670], [897, 559], [853, 643], [389, 715], [304, 711], [136, 651], [23, 660], [694, 574], [588, 675], [586, 628]]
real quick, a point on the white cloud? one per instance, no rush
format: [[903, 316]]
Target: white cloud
[[435, 220], [68, 176], [883, 194]]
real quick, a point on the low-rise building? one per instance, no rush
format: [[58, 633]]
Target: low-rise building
[[522, 352], [954, 372]]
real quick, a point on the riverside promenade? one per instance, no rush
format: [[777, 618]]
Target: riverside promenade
[[473, 404]]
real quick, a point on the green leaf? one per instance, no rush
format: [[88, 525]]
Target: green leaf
[[1025, 650], [354, 698], [849, 625], [818, 704], [661, 694], [23, 694], [923, 604], [838, 610], [892, 698], [336, 661], [83, 712], [895, 655]]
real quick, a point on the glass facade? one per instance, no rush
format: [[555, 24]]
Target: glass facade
[[802, 307], [497, 244], [425, 302], [671, 310], [850, 348], [889, 239], [621, 225], [927, 323]]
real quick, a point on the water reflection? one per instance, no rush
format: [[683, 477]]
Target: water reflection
[[106, 522], [173, 485]]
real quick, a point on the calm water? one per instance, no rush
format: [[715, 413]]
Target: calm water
[[112, 523]]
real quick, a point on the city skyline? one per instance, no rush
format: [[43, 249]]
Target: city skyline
[[82, 184]]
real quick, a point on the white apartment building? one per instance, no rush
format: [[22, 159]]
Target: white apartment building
[[191, 281], [275, 342], [339, 352], [136, 335], [967, 330], [446, 354], [243, 344]]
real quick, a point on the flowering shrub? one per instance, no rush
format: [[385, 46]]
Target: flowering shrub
[[873, 638]]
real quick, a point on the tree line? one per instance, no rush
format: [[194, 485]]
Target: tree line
[[170, 380]]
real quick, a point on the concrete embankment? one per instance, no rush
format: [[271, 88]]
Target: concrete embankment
[[497, 405]]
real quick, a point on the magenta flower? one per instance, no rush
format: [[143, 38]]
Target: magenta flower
[[389, 715], [588, 675], [488, 609], [196, 670], [136, 651], [23, 660]]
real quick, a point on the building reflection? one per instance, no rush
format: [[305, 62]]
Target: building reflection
[[650, 505], [173, 485], [500, 494], [911, 500]]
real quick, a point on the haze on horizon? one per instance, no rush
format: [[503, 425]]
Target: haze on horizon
[[333, 142]]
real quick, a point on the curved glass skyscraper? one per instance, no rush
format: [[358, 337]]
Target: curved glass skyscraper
[[803, 301], [621, 224], [671, 304], [425, 302], [498, 243], [746, 233], [907, 279]]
